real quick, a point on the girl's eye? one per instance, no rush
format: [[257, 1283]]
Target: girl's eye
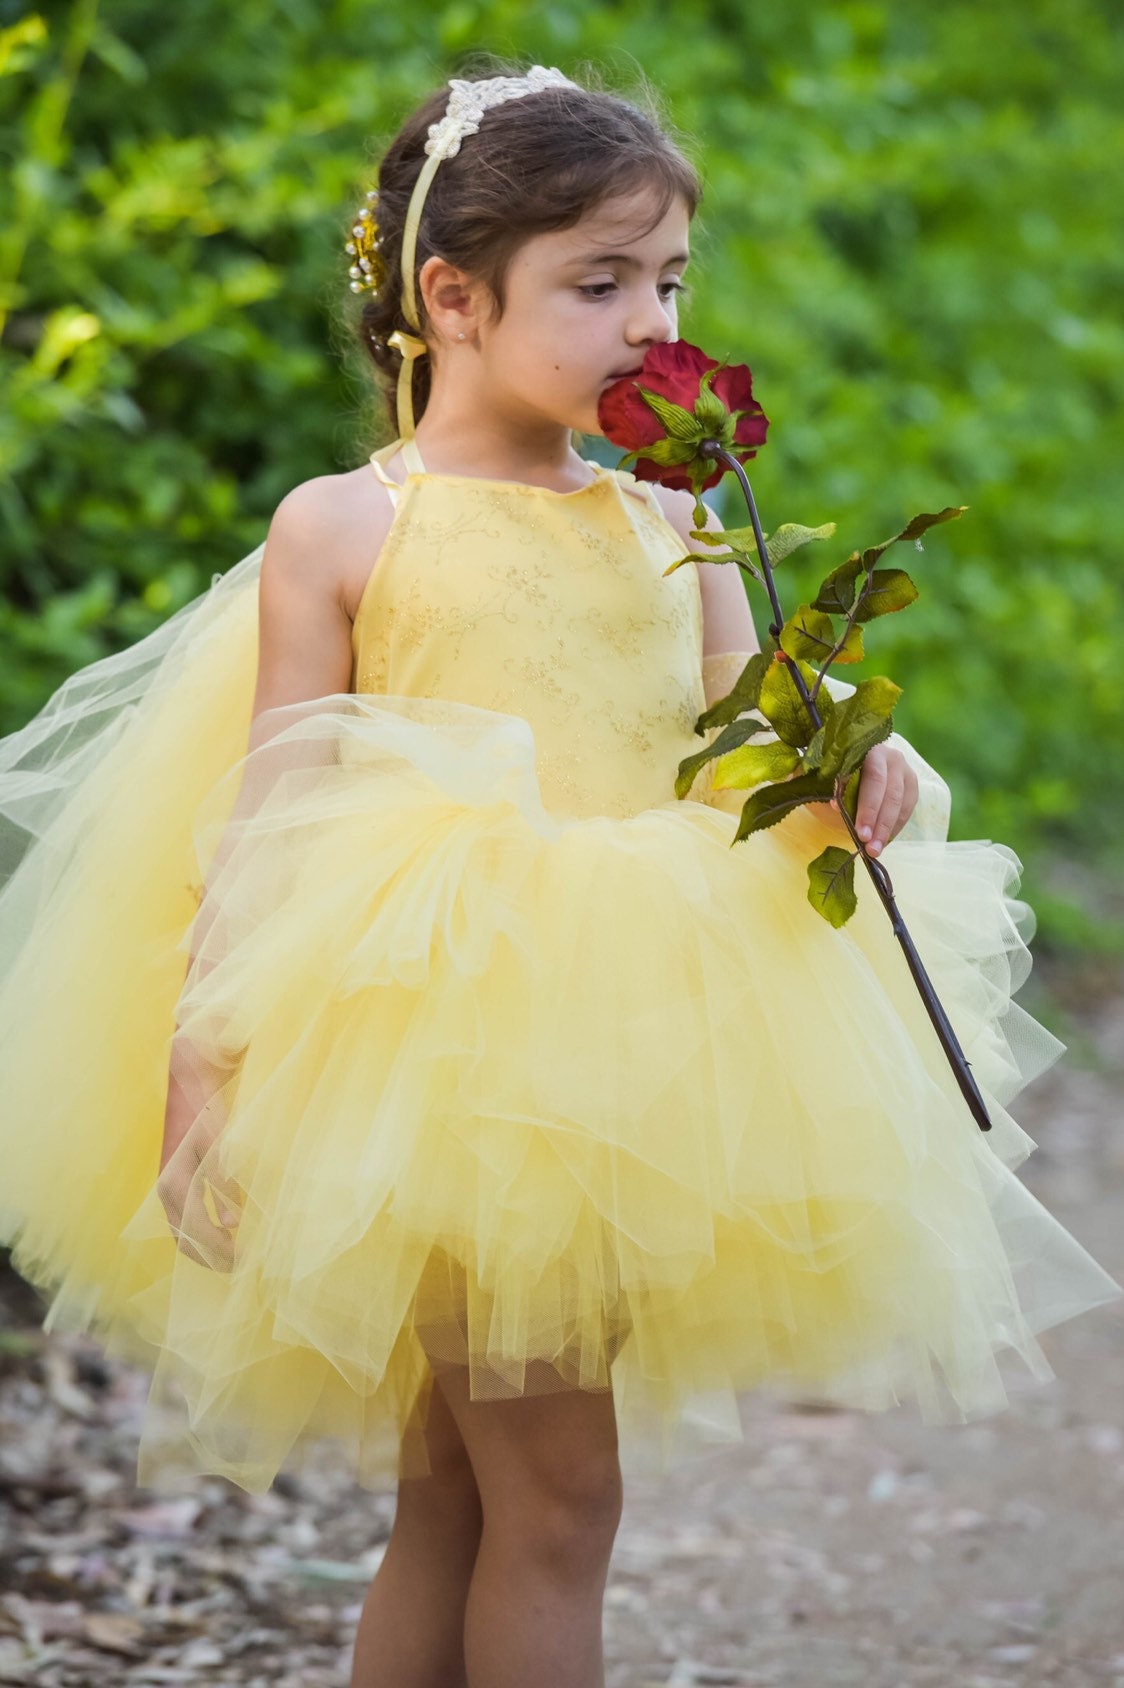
[[600, 289]]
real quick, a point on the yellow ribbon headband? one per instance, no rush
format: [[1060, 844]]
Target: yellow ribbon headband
[[468, 101]]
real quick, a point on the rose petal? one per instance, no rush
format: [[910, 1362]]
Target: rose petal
[[624, 417]]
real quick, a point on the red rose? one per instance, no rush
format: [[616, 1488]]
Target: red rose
[[674, 371]]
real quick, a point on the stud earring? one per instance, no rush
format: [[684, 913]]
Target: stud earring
[[460, 336]]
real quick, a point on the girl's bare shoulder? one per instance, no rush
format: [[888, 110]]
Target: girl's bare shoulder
[[323, 539], [342, 521]]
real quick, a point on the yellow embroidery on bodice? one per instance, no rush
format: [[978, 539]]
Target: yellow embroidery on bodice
[[550, 606]]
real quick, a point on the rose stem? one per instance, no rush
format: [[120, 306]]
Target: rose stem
[[883, 884]]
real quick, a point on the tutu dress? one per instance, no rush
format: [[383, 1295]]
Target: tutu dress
[[503, 1057]]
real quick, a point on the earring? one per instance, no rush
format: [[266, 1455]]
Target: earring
[[460, 336]]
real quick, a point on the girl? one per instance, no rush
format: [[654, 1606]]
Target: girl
[[492, 1117]]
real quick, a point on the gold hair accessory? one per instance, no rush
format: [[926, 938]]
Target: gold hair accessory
[[369, 270]]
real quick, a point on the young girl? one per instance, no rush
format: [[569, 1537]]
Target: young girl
[[390, 1058]]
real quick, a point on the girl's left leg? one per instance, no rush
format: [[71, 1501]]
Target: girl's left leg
[[411, 1632]]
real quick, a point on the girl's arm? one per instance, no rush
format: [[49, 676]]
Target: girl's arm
[[729, 634], [304, 652], [304, 638]]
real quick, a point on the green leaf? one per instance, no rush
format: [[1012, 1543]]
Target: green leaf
[[878, 695], [856, 739], [831, 884], [854, 726], [837, 591], [913, 530], [744, 692], [728, 739], [753, 763], [850, 798], [813, 754], [857, 723], [739, 539], [771, 803], [779, 700], [680, 424], [790, 536], [779, 545], [808, 632], [851, 650], [692, 557], [884, 590]]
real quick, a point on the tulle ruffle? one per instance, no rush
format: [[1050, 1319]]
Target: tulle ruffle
[[596, 1103]]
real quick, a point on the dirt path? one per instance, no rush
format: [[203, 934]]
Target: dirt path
[[833, 1548], [841, 1548]]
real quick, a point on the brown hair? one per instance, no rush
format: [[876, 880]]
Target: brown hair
[[536, 164]]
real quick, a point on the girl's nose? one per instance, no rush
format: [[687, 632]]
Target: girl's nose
[[654, 321]]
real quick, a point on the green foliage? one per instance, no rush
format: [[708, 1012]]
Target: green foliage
[[781, 703], [820, 744], [771, 803], [909, 232], [837, 593], [887, 589], [729, 739], [744, 692], [855, 726], [810, 633], [831, 884], [789, 537], [753, 763]]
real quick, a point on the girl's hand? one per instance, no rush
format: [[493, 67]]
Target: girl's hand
[[202, 1207], [887, 797]]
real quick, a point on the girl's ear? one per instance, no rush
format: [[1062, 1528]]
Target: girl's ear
[[452, 298]]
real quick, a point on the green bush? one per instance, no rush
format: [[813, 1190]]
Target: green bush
[[909, 232]]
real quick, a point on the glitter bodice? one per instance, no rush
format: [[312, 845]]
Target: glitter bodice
[[550, 606]]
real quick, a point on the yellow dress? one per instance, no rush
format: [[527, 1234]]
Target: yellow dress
[[498, 1054]]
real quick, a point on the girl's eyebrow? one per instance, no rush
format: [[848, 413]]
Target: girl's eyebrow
[[626, 258]]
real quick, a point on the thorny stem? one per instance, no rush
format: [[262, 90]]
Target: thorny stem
[[883, 884], [840, 642]]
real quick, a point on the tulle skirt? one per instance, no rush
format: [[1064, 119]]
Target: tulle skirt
[[591, 1103]]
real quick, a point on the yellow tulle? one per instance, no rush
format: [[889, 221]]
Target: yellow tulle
[[571, 1095]]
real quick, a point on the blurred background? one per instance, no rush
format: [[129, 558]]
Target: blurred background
[[910, 231]]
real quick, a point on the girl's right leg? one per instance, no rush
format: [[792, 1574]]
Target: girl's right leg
[[411, 1631], [548, 1473]]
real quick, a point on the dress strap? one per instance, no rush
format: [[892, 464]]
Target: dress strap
[[411, 456]]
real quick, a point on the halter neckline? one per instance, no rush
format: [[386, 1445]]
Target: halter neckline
[[412, 458]]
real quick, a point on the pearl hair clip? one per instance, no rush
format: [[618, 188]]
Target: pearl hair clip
[[368, 272]]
